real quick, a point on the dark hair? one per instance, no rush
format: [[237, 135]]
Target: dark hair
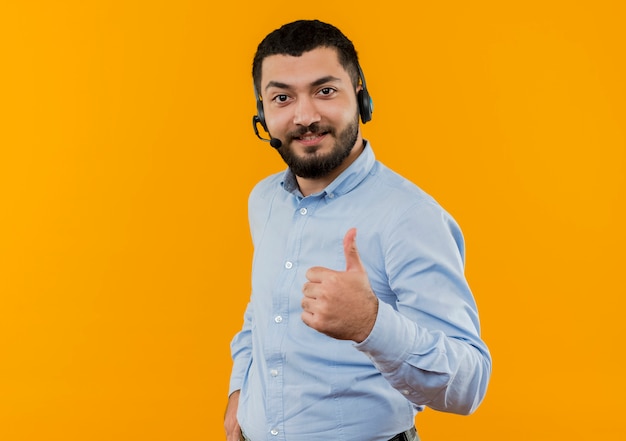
[[302, 36]]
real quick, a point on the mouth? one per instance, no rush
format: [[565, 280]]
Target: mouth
[[310, 139]]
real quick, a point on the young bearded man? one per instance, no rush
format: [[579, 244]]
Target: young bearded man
[[343, 343]]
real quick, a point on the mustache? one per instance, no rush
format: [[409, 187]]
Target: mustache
[[313, 128]]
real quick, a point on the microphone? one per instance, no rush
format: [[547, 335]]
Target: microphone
[[274, 142]]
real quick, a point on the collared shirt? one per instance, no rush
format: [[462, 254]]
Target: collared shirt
[[425, 348]]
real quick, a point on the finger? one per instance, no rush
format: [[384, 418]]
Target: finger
[[305, 304], [315, 274], [353, 260], [308, 289]]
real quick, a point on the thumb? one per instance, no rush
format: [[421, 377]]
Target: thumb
[[353, 260]]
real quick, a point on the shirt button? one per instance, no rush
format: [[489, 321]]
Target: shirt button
[[274, 432], [303, 211], [278, 319], [331, 195], [406, 392], [288, 265], [274, 373]]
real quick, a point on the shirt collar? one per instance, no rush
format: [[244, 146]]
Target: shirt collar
[[345, 182]]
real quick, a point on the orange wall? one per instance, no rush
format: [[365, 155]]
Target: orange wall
[[126, 157]]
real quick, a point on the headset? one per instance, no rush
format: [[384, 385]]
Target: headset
[[366, 105], [364, 100]]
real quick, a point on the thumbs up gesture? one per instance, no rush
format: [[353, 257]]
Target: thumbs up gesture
[[340, 304]]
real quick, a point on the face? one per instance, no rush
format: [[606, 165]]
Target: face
[[310, 105]]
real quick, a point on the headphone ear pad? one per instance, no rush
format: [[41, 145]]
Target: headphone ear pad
[[261, 114], [366, 106]]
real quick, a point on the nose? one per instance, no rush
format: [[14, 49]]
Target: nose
[[305, 112]]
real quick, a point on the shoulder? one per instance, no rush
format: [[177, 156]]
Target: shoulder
[[400, 191], [410, 222], [267, 186], [407, 207]]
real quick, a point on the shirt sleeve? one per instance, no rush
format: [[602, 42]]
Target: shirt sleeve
[[427, 344], [241, 352], [241, 344]]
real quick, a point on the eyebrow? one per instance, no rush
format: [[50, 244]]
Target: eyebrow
[[318, 82]]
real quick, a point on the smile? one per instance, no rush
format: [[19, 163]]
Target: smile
[[311, 138]]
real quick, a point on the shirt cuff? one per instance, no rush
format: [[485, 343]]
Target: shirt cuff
[[390, 342]]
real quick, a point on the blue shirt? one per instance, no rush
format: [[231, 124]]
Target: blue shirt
[[425, 348]]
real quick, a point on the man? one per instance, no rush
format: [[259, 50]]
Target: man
[[340, 343]]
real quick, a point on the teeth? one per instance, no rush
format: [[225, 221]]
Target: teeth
[[309, 138]]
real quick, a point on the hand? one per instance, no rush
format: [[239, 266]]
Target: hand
[[231, 425], [340, 304]]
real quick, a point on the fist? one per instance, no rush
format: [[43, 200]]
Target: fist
[[340, 304]]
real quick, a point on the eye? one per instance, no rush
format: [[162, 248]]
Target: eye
[[282, 98], [327, 91]]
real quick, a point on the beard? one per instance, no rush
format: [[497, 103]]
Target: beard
[[314, 165]]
